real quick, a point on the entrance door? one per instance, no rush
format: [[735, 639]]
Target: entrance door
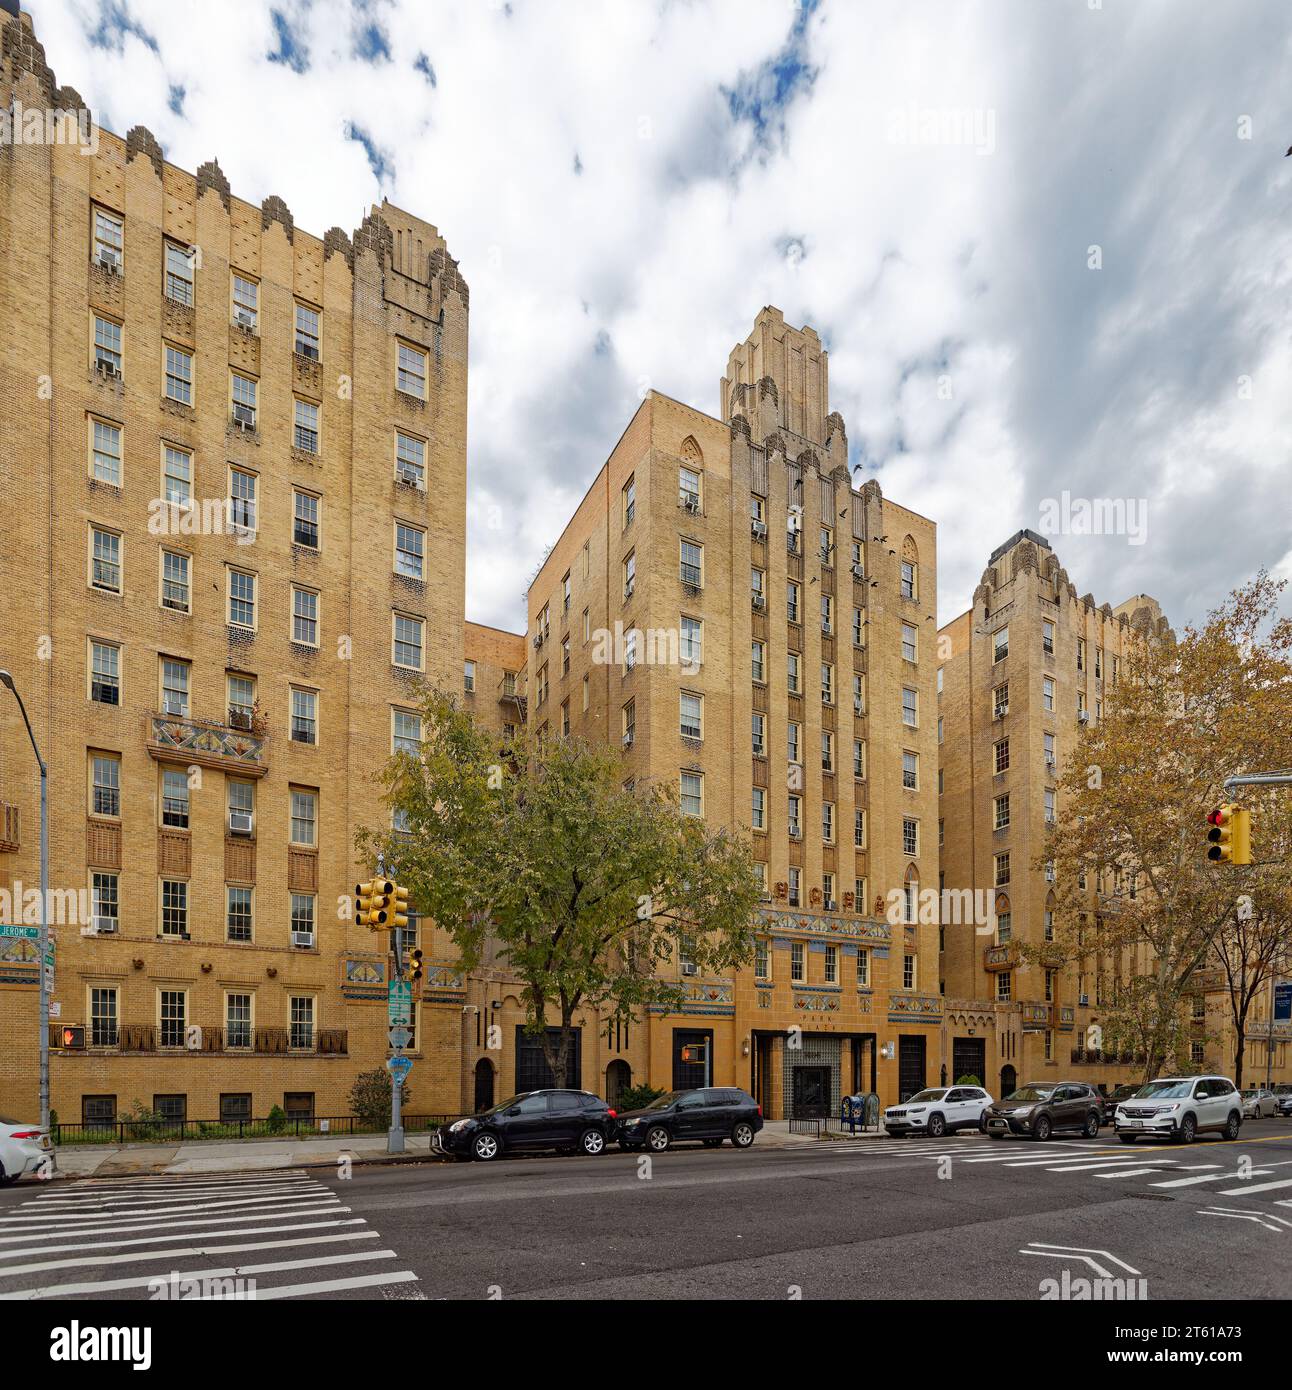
[[969, 1058], [910, 1066], [484, 1084], [811, 1096], [1008, 1082]]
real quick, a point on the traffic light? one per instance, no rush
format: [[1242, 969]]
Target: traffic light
[[1229, 841], [72, 1037], [413, 964], [372, 902], [398, 905]]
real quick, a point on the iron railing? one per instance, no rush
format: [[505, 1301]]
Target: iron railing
[[159, 1131]]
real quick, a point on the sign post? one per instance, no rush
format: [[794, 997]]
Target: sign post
[[399, 1014]]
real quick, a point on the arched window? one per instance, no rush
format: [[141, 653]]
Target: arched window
[[1004, 920], [911, 895], [619, 1077], [484, 1084], [910, 569]]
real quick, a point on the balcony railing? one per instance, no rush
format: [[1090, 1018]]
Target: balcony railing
[[238, 1039], [9, 839], [207, 743], [1002, 957]]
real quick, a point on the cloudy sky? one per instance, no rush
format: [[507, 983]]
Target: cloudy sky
[[1049, 245]]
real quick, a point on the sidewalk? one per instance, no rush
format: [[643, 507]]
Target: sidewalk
[[216, 1156]]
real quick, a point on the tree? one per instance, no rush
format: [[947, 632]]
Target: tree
[[1137, 789], [580, 885], [370, 1097]]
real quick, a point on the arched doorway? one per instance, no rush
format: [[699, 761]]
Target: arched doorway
[[619, 1076], [1008, 1082], [484, 1084]]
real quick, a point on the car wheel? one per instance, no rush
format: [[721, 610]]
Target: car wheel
[[486, 1147], [5, 1179], [937, 1127], [742, 1134], [657, 1139], [982, 1123], [1188, 1130], [1127, 1138], [1232, 1125], [1092, 1126], [592, 1142], [1042, 1129]]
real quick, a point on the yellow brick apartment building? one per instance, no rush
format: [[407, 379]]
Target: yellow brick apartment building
[[235, 473]]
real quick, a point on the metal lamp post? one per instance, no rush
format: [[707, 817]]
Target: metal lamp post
[[7, 679]]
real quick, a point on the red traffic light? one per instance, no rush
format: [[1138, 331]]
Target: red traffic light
[[1215, 817]]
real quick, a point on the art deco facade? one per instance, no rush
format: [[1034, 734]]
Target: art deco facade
[[726, 608], [235, 484]]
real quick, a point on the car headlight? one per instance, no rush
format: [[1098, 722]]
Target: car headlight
[[630, 1123], [917, 1109], [458, 1125], [1024, 1112]]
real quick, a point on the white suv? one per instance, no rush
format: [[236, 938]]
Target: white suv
[[938, 1111], [23, 1149], [1181, 1107]]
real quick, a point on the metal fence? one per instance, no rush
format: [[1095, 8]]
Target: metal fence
[[160, 1131]]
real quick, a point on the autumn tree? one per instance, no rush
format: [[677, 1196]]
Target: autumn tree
[[580, 885], [1135, 894]]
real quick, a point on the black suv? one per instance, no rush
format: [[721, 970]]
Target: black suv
[[710, 1115], [568, 1121], [1036, 1111]]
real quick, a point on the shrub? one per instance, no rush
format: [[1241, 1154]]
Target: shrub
[[370, 1097], [637, 1097], [276, 1120], [968, 1080]]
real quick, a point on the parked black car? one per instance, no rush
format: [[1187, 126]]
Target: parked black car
[[568, 1121], [1037, 1110], [710, 1115]]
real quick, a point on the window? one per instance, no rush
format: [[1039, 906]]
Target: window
[[796, 962], [629, 501], [304, 716], [103, 1016], [1000, 701], [410, 375], [174, 684], [302, 1022], [237, 1020], [758, 661], [1081, 653], [243, 390], [304, 818], [1047, 919], [693, 793], [826, 547], [793, 664], [908, 642], [587, 627], [305, 616], [241, 796], [105, 452], [174, 907], [1047, 636], [908, 579], [105, 785], [305, 435], [179, 274], [242, 599], [795, 878], [792, 742], [105, 560], [759, 731], [792, 601], [757, 508], [469, 677], [858, 758], [630, 573], [691, 715], [585, 691], [410, 550], [827, 683], [406, 733], [942, 832], [305, 519], [1051, 757], [795, 817], [107, 345], [910, 771], [827, 822], [857, 632], [692, 645], [1004, 926], [235, 1107], [175, 798], [758, 586], [105, 901], [692, 564], [105, 673], [863, 953], [910, 836], [628, 721], [1049, 806], [246, 302], [630, 650], [908, 971], [172, 1015], [237, 913], [1047, 693], [242, 499], [762, 959], [565, 594], [177, 474], [308, 335], [1000, 644], [1001, 812], [302, 918], [859, 829], [759, 821], [910, 708], [109, 238], [410, 459], [175, 588], [1004, 991], [940, 729], [1002, 869], [688, 488], [827, 751], [831, 952], [179, 375]]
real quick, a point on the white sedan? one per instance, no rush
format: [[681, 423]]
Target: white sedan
[[939, 1110], [24, 1148], [1258, 1102]]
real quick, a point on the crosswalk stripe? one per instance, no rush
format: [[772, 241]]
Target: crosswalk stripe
[[364, 1281], [180, 1210], [1126, 1173], [327, 1208], [182, 1235], [1255, 1187], [1206, 1177], [91, 1201], [1090, 1164], [99, 1286], [1087, 1163]]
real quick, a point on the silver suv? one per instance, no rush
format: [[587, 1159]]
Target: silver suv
[[1181, 1107]]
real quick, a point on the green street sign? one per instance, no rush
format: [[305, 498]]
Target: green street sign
[[25, 933]]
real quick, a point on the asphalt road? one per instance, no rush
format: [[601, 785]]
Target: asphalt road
[[965, 1218]]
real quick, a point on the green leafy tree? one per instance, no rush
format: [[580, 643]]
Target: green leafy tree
[[541, 857], [370, 1097], [1185, 715]]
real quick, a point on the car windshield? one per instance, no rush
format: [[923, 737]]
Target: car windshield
[[1032, 1093], [1251, 1095], [667, 1099], [1164, 1090], [505, 1104], [935, 1094]]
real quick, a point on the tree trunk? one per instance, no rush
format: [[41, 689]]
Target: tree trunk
[[1240, 1034]]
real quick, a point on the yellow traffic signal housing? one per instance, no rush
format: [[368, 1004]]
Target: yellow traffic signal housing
[[398, 915], [413, 967], [1229, 841], [372, 901]]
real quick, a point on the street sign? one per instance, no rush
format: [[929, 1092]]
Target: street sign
[[399, 1004], [400, 1037], [1283, 1002], [26, 933], [399, 1067]]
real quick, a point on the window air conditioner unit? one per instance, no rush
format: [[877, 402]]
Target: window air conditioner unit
[[628, 738], [1083, 1000], [244, 319], [241, 822], [830, 905], [758, 529], [1083, 716], [628, 589], [759, 602], [858, 572], [1001, 712], [858, 709], [827, 628], [689, 967], [796, 834], [105, 926], [109, 261], [538, 639], [690, 502], [302, 938], [107, 367], [173, 707]]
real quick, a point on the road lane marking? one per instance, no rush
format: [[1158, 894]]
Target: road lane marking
[[364, 1281], [182, 1235], [329, 1208], [1206, 1177], [1255, 1187], [1089, 1164], [1083, 1253], [245, 1203]]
